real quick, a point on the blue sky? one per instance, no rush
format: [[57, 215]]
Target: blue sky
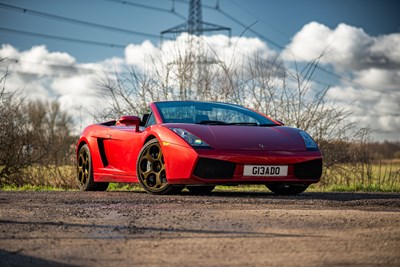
[[362, 35], [278, 20]]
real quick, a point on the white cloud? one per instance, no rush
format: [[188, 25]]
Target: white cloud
[[237, 48], [379, 79], [29, 85], [346, 47], [38, 60], [373, 62], [140, 55], [388, 105], [376, 110], [309, 43], [386, 50], [77, 90], [40, 74], [216, 47], [8, 51], [44, 74], [346, 93]]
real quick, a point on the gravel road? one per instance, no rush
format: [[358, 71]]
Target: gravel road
[[223, 229]]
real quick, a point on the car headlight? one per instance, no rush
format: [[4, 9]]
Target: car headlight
[[190, 138], [311, 145]]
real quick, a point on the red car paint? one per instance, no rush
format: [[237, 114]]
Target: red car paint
[[114, 149]]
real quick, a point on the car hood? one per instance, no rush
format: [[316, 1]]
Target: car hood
[[247, 137]]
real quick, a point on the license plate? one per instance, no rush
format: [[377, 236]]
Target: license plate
[[265, 170]]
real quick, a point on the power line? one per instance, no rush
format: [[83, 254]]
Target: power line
[[172, 10], [250, 30], [74, 21], [281, 47], [67, 68], [239, 23], [261, 36], [110, 28], [61, 38], [29, 75], [80, 70], [260, 20]]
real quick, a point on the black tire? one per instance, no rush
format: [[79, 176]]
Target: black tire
[[201, 190], [84, 178], [287, 189], [151, 173]]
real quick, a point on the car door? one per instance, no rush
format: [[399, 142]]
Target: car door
[[122, 147]]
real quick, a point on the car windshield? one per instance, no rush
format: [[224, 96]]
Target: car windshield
[[210, 113]]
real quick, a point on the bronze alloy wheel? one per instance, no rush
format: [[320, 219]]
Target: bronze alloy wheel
[[85, 176], [151, 170], [84, 167]]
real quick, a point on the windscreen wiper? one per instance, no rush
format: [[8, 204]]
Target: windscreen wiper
[[212, 122], [268, 125], [244, 123]]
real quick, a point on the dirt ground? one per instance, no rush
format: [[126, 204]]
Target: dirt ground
[[223, 229]]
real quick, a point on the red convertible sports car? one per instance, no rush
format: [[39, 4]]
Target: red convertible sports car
[[197, 145]]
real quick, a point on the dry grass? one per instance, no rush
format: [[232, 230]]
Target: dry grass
[[383, 176], [378, 176]]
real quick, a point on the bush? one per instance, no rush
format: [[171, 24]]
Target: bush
[[32, 133]]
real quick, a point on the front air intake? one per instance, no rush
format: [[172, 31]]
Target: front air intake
[[214, 169], [309, 169]]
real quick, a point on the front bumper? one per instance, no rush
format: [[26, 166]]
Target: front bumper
[[208, 166]]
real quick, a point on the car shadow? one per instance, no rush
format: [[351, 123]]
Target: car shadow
[[110, 231], [332, 196], [329, 196], [16, 258]]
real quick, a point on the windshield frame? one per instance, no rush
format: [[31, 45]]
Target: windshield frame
[[257, 119]]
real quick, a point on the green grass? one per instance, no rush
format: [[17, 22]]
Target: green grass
[[32, 188], [381, 177], [124, 187], [355, 188], [377, 177], [220, 188], [242, 188]]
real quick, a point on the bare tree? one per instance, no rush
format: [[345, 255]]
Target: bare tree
[[32, 134], [14, 153]]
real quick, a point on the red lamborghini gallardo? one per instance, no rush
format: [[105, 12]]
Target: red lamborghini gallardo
[[197, 145]]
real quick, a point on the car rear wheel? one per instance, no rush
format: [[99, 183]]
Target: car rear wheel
[[85, 172], [287, 189], [151, 170], [200, 190]]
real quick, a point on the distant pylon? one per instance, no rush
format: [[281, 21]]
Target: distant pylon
[[195, 24], [195, 17], [197, 59]]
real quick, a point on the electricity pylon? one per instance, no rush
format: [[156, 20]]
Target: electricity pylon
[[195, 24], [196, 27]]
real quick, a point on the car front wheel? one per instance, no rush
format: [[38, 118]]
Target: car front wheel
[[151, 170]]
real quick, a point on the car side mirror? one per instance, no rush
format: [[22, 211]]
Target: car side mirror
[[279, 121], [129, 121]]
